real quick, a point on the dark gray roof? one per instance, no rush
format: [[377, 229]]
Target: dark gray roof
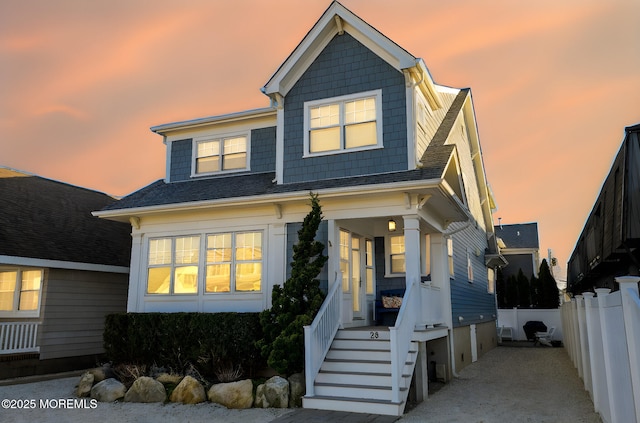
[[218, 188], [45, 219], [521, 235]]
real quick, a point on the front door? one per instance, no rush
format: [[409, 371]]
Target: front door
[[356, 265]]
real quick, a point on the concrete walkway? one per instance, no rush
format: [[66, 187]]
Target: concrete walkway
[[507, 384]]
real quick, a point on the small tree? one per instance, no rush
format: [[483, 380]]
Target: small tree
[[295, 304]]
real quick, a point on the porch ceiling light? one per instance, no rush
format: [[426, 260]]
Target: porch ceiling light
[[392, 225]]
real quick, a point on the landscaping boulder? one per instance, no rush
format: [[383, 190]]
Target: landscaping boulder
[[85, 385], [296, 390], [108, 390], [261, 400], [276, 392], [102, 373], [169, 378], [232, 395], [188, 391], [146, 389]]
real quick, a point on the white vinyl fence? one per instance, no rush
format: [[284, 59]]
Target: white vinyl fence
[[602, 337], [514, 319]]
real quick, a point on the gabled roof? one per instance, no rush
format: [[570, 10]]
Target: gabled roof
[[45, 219], [337, 20], [521, 235]]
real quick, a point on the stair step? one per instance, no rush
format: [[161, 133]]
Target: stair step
[[355, 391], [362, 378], [354, 405], [370, 355], [371, 334], [362, 344]]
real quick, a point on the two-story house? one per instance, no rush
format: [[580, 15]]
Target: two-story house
[[396, 161]]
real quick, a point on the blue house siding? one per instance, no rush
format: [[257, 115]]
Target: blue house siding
[[345, 67], [470, 299], [263, 150], [180, 168], [292, 239]]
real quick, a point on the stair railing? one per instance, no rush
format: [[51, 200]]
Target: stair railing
[[319, 335], [401, 335]]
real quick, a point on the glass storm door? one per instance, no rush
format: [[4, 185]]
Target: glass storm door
[[356, 267]]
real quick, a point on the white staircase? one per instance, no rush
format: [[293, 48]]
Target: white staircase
[[356, 374]]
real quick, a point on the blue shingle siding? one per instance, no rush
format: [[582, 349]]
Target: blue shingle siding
[[292, 239], [180, 169], [470, 300], [263, 150], [346, 67]]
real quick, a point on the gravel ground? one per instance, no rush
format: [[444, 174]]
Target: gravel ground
[[532, 385]]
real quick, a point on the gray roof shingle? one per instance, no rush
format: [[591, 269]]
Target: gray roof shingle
[[45, 219], [521, 235]]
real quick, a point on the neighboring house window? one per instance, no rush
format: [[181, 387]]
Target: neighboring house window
[[450, 255], [173, 265], [234, 262], [491, 281], [341, 124], [20, 291], [396, 262], [221, 154]]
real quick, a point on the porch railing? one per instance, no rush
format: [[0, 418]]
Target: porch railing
[[601, 337], [319, 335], [401, 335], [18, 337]]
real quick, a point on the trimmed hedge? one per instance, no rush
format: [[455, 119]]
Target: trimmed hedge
[[208, 341]]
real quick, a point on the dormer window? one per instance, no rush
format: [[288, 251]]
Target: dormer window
[[220, 154], [343, 124]]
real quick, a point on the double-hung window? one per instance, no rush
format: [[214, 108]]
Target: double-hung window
[[234, 262], [20, 291], [396, 259], [221, 154], [173, 265], [341, 124]]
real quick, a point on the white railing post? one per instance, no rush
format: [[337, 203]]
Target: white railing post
[[401, 335], [631, 316]]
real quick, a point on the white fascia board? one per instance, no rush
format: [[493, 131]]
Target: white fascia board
[[283, 197], [59, 264], [226, 118]]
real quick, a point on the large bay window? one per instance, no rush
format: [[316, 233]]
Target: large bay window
[[231, 262], [20, 291], [220, 154], [341, 124]]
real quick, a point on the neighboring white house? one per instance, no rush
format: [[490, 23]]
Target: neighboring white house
[[396, 161]]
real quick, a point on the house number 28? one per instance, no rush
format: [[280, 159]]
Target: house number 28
[[374, 334]]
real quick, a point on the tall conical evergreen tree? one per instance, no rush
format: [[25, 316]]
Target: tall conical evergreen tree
[[295, 304], [549, 295], [524, 300]]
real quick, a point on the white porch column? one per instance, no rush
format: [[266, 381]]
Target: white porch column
[[412, 249], [277, 253], [136, 280]]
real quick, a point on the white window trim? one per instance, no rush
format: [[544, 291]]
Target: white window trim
[[425, 262], [469, 265], [377, 94], [15, 313], [215, 137], [172, 266], [233, 276]]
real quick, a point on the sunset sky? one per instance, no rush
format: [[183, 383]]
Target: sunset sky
[[554, 83]]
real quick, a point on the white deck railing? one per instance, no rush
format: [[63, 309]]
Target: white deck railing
[[18, 337], [319, 335], [602, 337], [401, 335]]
